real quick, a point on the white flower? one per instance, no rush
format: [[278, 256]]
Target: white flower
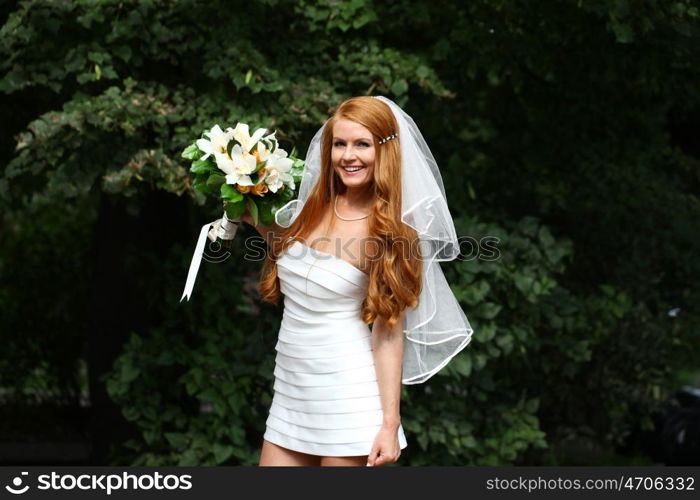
[[271, 137], [237, 167], [217, 142], [242, 135], [278, 167], [273, 181], [263, 152]]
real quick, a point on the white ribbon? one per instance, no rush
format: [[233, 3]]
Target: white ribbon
[[223, 228]]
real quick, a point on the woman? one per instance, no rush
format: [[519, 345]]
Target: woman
[[346, 254]]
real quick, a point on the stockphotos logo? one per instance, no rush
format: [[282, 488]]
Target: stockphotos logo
[[108, 483], [16, 488]]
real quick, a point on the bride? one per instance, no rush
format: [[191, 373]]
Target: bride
[[359, 248]]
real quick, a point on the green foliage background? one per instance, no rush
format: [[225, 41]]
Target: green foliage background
[[562, 128]]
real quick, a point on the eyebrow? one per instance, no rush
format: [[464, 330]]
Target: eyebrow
[[360, 139]]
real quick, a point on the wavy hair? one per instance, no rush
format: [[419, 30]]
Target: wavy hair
[[395, 265]]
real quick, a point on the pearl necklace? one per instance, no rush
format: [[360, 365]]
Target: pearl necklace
[[335, 209]]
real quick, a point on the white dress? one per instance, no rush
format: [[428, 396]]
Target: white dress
[[326, 396]]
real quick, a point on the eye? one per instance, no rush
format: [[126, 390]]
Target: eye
[[363, 143], [338, 143]]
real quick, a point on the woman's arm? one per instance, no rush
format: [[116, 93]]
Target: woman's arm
[[387, 349], [269, 233], [387, 346]]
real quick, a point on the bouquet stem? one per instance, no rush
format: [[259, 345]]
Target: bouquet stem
[[225, 230]]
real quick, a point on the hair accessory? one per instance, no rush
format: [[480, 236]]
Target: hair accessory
[[392, 136]]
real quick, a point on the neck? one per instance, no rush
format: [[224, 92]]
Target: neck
[[359, 199]]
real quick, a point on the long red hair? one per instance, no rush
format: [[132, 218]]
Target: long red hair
[[396, 265]]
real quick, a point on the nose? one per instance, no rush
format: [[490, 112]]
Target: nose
[[348, 153]]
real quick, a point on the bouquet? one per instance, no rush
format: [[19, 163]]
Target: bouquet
[[249, 173]]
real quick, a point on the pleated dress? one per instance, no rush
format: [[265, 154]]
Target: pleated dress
[[326, 396]]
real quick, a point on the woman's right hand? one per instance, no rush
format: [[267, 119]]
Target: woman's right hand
[[267, 232], [247, 219]]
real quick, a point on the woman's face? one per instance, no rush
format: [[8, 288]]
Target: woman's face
[[353, 147]]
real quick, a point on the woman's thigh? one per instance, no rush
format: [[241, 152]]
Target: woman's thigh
[[274, 455], [358, 461]]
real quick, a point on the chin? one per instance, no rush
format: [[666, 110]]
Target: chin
[[356, 183]]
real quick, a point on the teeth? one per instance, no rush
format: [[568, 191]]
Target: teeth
[[351, 169]]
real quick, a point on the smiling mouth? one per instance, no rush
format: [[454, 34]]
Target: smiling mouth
[[352, 169]]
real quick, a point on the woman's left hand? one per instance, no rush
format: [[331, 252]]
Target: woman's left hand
[[386, 447]]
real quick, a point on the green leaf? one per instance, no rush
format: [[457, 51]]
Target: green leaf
[[253, 210], [202, 166], [523, 282], [623, 32], [216, 180], [123, 52], [468, 441], [200, 183], [366, 17], [129, 372], [222, 452], [231, 144], [192, 152], [463, 364], [489, 310], [259, 166], [532, 405], [177, 440], [230, 193], [487, 331], [423, 441], [235, 210], [399, 87]]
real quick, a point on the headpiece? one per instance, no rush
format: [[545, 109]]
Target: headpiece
[[388, 138]]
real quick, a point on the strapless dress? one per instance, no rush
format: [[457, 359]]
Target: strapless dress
[[326, 396]]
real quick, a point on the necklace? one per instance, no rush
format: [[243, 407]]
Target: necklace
[[335, 209]]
